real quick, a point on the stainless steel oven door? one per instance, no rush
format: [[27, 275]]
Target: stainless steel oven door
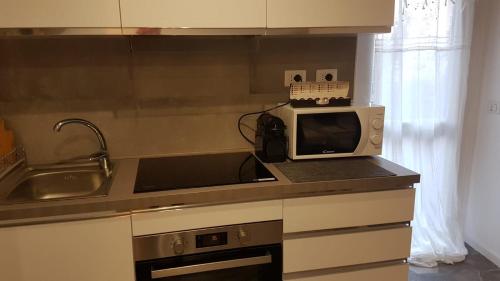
[[244, 252], [263, 263]]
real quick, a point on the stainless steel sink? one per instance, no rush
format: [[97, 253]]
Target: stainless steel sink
[[57, 182], [67, 180]]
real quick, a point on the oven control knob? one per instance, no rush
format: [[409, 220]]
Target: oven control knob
[[376, 139], [377, 124], [243, 236], [178, 246]]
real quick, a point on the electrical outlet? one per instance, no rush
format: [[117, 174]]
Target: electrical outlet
[[292, 76], [494, 107], [326, 75]]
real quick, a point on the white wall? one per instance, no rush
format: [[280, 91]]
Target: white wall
[[481, 144], [363, 74], [472, 105]]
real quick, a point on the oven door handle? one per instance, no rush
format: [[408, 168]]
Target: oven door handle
[[212, 266]]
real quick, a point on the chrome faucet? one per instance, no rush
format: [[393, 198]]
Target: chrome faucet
[[102, 155]]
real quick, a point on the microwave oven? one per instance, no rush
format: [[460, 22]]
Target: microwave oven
[[328, 132]]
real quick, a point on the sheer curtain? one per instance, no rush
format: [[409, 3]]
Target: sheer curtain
[[420, 74]]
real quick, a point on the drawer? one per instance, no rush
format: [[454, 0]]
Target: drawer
[[345, 249], [202, 217], [348, 210], [386, 273]]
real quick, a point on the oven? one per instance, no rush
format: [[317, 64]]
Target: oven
[[244, 252]]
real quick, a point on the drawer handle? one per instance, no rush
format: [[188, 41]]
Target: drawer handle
[[205, 267]]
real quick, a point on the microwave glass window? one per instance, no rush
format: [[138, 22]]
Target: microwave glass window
[[327, 133]]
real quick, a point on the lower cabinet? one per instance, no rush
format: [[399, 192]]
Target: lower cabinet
[[382, 273], [348, 237], [338, 250], [203, 217], [348, 210], [87, 250]]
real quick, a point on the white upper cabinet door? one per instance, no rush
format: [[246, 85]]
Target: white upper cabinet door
[[59, 13], [329, 13], [194, 13], [88, 250]]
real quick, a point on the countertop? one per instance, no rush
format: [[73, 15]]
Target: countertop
[[122, 200]]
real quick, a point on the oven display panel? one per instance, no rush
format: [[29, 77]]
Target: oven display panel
[[211, 240]]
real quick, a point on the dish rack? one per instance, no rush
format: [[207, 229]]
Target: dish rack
[[312, 94], [11, 160]]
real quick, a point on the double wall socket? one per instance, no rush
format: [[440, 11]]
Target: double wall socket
[[292, 76], [326, 75], [322, 75]]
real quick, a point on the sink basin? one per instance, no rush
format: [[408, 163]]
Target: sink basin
[[58, 182]]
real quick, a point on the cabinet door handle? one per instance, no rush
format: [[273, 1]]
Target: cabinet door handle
[[205, 267]]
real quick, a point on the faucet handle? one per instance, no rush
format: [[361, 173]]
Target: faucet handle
[[98, 155]]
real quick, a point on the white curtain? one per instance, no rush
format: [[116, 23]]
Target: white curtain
[[420, 74]]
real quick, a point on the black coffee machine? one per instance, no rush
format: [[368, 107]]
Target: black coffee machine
[[270, 140]]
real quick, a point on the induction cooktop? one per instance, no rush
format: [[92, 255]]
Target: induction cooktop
[[193, 171]]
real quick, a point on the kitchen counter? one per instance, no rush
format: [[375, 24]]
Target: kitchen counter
[[121, 198]]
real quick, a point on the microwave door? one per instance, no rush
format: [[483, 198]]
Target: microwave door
[[328, 133]]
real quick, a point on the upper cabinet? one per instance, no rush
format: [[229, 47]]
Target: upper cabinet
[[195, 17], [369, 15], [59, 14], [193, 13]]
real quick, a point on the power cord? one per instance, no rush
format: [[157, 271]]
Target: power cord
[[254, 113]]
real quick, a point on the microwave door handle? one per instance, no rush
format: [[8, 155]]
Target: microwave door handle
[[212, 266]]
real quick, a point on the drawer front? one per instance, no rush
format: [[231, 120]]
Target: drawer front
[[202, 217], [387, 273], [336, 250], [349, 210]]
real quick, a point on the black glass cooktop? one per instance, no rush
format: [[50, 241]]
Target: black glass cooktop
[[169, 173]]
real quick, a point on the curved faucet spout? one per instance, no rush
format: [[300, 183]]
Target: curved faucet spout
[[104, 159], [102, 142]]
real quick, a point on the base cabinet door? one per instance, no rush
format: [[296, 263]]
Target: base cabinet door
[[348, 210], [203, 217], [384, 273], [347, 249], [87, 250]]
